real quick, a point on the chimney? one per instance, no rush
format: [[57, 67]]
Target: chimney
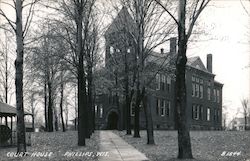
[[162, 51], [210, 63], [173, 45]]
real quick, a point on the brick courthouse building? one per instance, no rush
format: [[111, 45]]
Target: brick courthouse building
[[204, 94]]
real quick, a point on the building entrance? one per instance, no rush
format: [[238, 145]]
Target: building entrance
[[112, 121]]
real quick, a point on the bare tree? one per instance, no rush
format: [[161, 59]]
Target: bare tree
[[77, 13], [20, 30], [245, 107], [184, 33], [140, 36], [5, 69]]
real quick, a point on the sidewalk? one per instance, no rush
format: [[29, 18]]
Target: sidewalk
[[117, 149]]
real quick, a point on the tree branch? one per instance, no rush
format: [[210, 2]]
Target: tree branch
[[164, 8], [11, 23]]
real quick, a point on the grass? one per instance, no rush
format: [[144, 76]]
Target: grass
[[206, 145], [59, 144]]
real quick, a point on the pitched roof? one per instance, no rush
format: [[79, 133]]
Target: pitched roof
[[6, 109], [196, 62], [122, 21]]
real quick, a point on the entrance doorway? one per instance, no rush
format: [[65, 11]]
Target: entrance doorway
[[112, 121]]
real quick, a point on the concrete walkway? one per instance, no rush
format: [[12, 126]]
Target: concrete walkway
[[117, 149]]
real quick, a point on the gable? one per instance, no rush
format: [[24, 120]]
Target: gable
[[122, 21], [196, 62]]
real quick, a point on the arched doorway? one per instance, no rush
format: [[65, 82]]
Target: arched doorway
[[112, 121]]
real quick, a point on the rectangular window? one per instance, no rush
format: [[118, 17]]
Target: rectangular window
[[96, 109], [215, 115], [197, 90], [193, 89], [168, 83], [168, 108], [214, 95], [193, 78], [101, 111], [201, 112], [163, 81], [218, 96], [197, 80], [158, 81], [208, 93], [201, 91], [208, 114], [195, 112], [158, 104], [132, 109], [162, 108]]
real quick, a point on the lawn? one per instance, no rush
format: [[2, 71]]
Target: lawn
[[206, 145], [62, 145]]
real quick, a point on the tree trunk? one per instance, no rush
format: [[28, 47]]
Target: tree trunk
[[45, 106], [127, 100], [6, 77], [94, 115], [90, 97], [61, 107], [21, 142], [50, 109], [56, 119], [82, 125], [246, 121], [184, 143], [33, 111], [149, 121], [137, 115]]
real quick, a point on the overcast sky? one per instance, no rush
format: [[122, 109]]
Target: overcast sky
[[229, 27], [228, 35]]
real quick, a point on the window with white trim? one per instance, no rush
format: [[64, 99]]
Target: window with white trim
[[163, 81], [208, 93], [195, 111], [201, 91], [218, 96], [168, 83], [193, 89], [158, 83], [208, 114], [197, 90], [96, 109], [197, 87], [215, 95], [101, 111]]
